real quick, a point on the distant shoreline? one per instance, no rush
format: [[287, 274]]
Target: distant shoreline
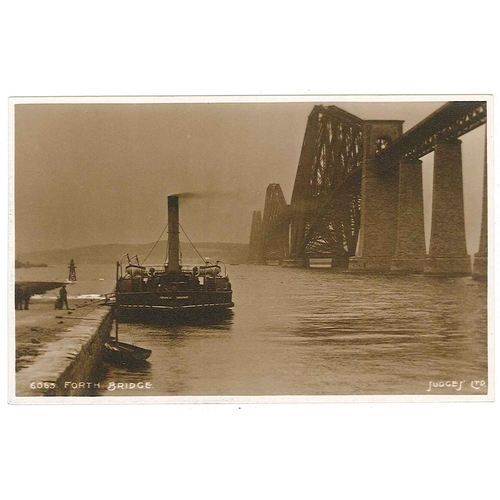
[[27, 265], [108, 254]]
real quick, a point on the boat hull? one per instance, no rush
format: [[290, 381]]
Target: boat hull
[[169, 305], [193, 307], [125, 354]]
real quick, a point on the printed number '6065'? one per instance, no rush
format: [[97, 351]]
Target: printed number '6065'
[[42, 385]]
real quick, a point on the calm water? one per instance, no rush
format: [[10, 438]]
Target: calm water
[[311, 332]]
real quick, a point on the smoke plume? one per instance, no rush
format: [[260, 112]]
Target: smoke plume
[[201, 195]]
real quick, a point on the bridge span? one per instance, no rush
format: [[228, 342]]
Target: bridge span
[[358, 196]]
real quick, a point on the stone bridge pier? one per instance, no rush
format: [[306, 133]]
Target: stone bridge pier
[[392, 236], [379, 200], [448, 249], [410, 241], [480, 269]]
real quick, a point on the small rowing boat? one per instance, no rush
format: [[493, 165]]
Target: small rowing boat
[[123, 353]]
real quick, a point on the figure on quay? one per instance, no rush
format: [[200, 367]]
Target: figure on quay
[[63, 298]]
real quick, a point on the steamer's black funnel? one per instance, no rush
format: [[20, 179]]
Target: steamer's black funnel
[[173, 234]]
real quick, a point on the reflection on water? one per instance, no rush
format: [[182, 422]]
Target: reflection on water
[[319, 332]]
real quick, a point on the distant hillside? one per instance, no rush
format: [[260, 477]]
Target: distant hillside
[[230, 253]]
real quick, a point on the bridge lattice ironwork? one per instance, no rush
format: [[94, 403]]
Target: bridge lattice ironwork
[[325, 211], [275, 226], [450, 121], [325, 205]]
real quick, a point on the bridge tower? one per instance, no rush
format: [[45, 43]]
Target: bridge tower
[[379, 199], [255, 238], [325, 205], [275, 227]]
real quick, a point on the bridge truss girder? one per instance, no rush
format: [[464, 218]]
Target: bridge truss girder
[[450, 121], [275, 226], [326, 199]]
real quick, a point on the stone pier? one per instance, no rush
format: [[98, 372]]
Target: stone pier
[[410, 243], [448, 251], [379, 200], [480, 268], [69, 366]]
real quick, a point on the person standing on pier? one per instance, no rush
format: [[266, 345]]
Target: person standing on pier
[[63, 295]]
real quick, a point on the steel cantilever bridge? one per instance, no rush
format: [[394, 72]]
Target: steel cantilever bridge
[[351, 183]]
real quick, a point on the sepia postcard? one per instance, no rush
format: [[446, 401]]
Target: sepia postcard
[[250, 249]]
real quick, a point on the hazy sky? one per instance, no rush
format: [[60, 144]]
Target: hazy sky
[[90, 174]]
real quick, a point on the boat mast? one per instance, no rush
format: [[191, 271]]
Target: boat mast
[[117, 307], [173, 234]]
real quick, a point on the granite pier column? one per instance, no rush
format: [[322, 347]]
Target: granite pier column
[[379, 200], [410, 242], [448, 250], [480, 268]]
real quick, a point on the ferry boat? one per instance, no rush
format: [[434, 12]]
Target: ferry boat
[[172, 291]]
